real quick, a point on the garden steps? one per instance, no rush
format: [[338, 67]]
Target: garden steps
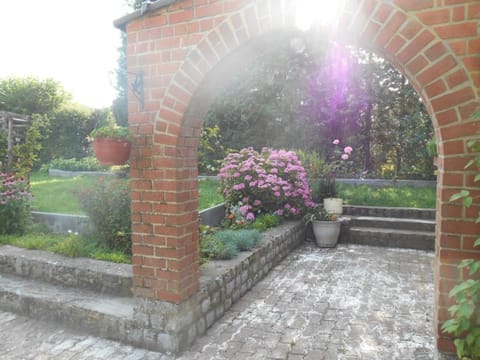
[[104, 315], [389, 227], [101, 276], [393, 212], [83, 294]]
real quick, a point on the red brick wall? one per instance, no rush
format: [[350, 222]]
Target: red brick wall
[[435, 43]]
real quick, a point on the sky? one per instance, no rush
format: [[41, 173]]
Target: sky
[[72, 41]]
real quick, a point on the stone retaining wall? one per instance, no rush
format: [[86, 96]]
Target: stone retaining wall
[[222, 284]]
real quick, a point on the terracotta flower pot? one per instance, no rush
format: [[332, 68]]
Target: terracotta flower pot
[[110, 151]]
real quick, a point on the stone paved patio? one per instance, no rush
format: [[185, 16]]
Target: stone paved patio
[[352, 302]]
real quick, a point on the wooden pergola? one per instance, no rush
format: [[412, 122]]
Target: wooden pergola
[[15, 126]]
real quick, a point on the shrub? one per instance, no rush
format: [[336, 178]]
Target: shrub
[[15, 200], [71, 246], [273, 181], [226, 244], [84, 164], [212, 247], [465, 322], [107, 204], [265, 221]]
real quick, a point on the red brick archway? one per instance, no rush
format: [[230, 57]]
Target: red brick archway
[[184, 48]]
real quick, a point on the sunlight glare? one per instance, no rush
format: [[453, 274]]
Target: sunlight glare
[[322, 12]]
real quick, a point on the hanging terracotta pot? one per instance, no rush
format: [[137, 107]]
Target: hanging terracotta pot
[[111, 151]]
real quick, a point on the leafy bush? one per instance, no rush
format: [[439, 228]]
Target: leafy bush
[[210, 151], [465, 321], [273, 181], [226, 244], [211, 247], [107, 204], [69, 127], [265, 221], [84, 164], [15, 201], [71, 246]]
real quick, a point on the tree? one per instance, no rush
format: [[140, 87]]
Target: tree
[[304, 99], [32, 96], [69, 128]]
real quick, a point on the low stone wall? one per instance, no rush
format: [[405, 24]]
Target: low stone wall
[[222, 284], [63, 223]]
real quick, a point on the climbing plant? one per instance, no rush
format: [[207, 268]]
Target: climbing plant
[[465, 321]]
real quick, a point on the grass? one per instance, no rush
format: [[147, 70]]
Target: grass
[[64, 244], [208, 194], [399, 196], [58, 194]]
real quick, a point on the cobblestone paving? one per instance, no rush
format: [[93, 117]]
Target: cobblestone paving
[[352, 302]]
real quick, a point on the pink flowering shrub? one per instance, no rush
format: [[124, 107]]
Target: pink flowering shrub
[[273, 181], [14, 204]]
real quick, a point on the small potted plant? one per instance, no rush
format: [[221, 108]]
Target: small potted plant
[[111, 144], [325, 225]]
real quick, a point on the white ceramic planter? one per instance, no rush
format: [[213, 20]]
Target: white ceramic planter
[[333, 205], [326, 232]]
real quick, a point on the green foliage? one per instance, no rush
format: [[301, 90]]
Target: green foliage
[[319, 213], [83, 164], [58, 194], [68, 245], [111, 131], [71, 246], [265, 221], [226, 244], [208, 194], [15, 201], [324, 91], [210, 151], [394, 196], [465, 321], [32, 96], [212, 247], [112, 256], [432, 147], [26, 155], [67, 138], [107, 204]]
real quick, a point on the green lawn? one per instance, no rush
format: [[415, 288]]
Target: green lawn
[[59, 194], [399, 196]]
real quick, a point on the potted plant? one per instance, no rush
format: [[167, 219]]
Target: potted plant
[[331, 202], [325, 225], [111, 144]]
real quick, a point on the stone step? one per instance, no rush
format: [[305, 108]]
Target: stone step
[[409, 213], [108, 316], [391, 223], [100, 276], [420, 240]]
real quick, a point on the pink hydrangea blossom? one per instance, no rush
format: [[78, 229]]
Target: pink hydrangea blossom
[[344, 156], [348, 150], [336, 142]]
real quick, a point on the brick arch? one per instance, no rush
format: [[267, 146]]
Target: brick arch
[[179, 46]]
